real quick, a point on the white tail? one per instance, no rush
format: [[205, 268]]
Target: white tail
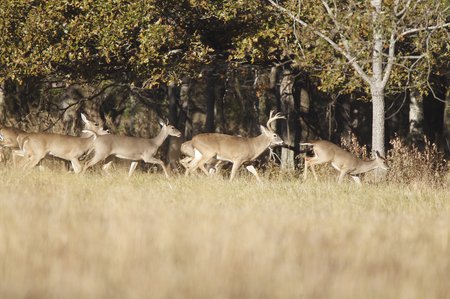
[[342, 160], [37, 145], [188, 150], [131, 148], [236, 150]]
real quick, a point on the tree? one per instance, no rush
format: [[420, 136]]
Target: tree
[[385, 43]]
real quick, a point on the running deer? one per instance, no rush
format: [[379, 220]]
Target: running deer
[[36, 146], [234, 149], [132, 148], [342, 160]]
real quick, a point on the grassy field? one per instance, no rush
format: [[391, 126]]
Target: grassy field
[[97, 236]]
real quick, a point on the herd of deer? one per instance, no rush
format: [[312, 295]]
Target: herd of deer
[[204, 149]]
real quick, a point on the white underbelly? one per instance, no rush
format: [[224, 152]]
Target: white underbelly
[[126, 157], [223, 159], [197, 154]]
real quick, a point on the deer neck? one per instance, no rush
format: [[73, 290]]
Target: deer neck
[[260, 144], [88, 135], [162, 135], [365, 166]]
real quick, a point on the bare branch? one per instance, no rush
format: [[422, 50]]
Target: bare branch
[[414, 30], [401, 13], [410, 57], [352, 59], [391, 59]]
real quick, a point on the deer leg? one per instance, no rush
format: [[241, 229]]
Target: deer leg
[[305, 172], [201, 165], [215, 166], [14, 158], [2, 154], [253, 171], [341, 176], [32, 157], [97, 158], [157, 161], [132, 167], [185, 162], [219, 165], [76, 165], [356, 179], [15, 154], [32, 161], [310, 163], [193, 163], [234, 169], [198, 162], [107, 165], [313, 171]]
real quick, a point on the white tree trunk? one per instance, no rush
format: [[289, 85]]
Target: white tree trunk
[[2, 103], [287, 107], [377, 85], [378, 119], [416, 116], [173, 153], [446, 128]]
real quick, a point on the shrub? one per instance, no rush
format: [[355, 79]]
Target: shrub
[[408, 164]]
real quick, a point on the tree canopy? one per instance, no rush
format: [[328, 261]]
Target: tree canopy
[[130, 40]]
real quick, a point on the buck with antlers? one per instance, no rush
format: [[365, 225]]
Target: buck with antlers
[[36, 146], [342, 160], [132, 148], [236, 150]]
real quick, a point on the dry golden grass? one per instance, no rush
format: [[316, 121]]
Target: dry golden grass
[[97, 236]]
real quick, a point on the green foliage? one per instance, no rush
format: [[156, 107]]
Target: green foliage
[[79, 38], [153, 41], [350, 26]]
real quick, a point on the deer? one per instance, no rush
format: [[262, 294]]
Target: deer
[[234, 149], [8, 139], [36, 146], [345, 162], [132, 148]]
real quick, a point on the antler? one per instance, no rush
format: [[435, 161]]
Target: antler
[[272, 118]]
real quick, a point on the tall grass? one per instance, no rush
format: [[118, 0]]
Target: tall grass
[[110, 236]]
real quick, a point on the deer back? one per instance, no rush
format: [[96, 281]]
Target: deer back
[[227, 147]]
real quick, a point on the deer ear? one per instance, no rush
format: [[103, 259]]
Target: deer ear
[[264, 130], [161, 122], [84, 118]]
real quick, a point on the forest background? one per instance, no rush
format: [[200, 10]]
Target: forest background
[[375, 69]]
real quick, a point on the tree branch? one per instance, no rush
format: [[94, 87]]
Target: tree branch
[[401, 12], [391, 59], [352, 59], [414, 30]]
